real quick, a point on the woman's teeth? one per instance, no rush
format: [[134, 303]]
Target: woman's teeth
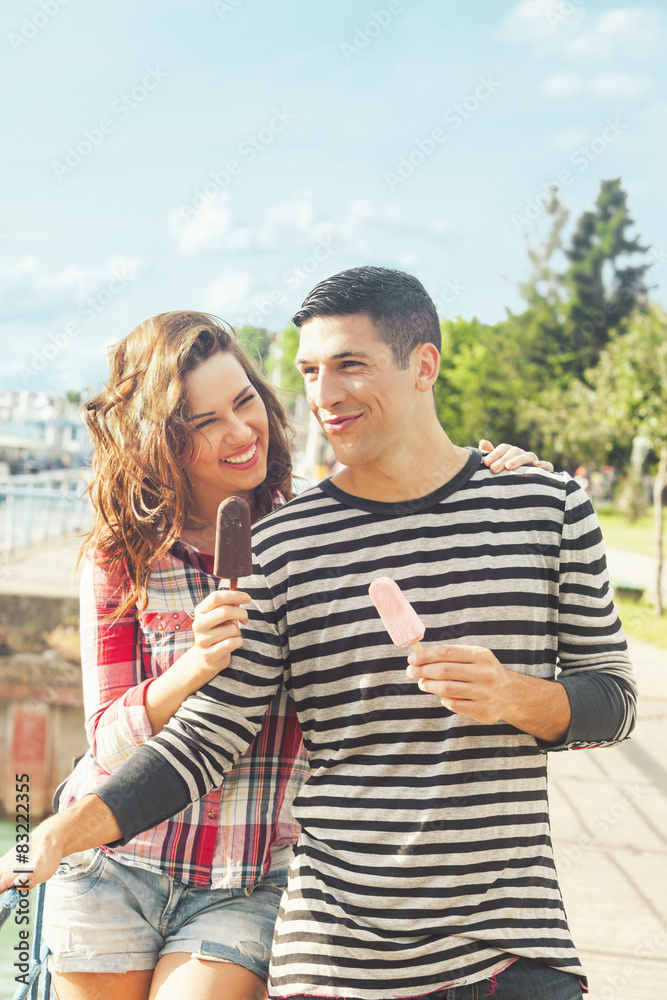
[[245, 457]]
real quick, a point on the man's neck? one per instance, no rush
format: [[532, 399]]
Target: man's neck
[[398, 481]]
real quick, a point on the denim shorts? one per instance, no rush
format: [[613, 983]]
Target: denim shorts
[[102, 916]]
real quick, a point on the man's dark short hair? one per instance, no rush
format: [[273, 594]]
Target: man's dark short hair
[[398, 304]]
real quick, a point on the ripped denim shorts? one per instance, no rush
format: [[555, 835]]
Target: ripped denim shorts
[[103, 916]]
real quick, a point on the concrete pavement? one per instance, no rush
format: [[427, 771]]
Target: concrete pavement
[[634, 569], [45, 570], [609, 818]]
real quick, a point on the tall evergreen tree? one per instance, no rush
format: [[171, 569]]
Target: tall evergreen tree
[[507, 381], [601, 291]]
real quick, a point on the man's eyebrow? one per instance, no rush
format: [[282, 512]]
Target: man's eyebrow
[[336, 357], [211, 413]]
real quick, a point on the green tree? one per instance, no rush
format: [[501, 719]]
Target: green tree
[[601, 290], [630, 393], [544, 294], [280, 365], [491, 377], [256, 342], [545, 284], [524, 378], [624, 397], [458, 384]]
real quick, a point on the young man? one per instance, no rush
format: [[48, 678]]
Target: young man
[[425, 860]]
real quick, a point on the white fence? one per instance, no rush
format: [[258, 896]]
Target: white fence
[[49, 505]]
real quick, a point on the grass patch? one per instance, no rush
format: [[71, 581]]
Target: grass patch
[[638, 620], [619, 533]]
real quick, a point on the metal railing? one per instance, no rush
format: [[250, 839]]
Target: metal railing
[[39, 952], [47, 506]]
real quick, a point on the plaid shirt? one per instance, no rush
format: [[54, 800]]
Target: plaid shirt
[[231, 837]]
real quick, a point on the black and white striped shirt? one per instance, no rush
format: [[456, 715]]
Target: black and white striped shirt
[[425, 857]]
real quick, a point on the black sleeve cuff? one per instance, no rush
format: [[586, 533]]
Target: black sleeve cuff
[[145, 791], [600, 705]]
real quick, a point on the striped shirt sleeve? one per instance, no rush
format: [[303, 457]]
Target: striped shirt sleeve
[[592, 651]]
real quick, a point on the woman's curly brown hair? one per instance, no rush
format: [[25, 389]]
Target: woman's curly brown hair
[[141, 493]]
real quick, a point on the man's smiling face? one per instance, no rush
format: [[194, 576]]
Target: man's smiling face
[[361, 399]]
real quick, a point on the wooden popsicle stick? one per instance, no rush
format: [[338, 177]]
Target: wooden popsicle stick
[[416, 645]]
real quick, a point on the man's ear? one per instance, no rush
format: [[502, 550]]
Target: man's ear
[[427, 366]]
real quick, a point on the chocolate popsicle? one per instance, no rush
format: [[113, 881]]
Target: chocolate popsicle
[[233, 552]]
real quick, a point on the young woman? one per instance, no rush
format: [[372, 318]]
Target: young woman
[[187, 909]]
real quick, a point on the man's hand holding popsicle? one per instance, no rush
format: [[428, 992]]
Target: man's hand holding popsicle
[[471, 680]]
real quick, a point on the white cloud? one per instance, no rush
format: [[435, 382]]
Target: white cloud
[[538, 20], [612, 86], [563, 28], [201, 228], [28, 291], [299, 248], [621, 86], [561, 85], [625, 31], [407, 260], [228, 293], [211, 227], [297, 214], [291, 226]]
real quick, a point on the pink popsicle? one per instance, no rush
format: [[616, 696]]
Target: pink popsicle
[[399, 617]]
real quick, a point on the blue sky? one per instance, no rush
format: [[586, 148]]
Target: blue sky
[[226, 154]]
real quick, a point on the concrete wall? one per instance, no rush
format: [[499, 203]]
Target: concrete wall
[[25, 618], [41, 733]]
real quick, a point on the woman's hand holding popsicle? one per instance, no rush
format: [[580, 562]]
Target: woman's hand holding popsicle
[[216, 628], [217, 619], [216, 635]]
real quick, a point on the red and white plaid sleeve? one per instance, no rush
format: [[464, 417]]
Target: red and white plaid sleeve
[[115, 673]]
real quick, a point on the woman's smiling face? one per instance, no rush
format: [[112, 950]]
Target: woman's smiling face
[[231, 441]]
